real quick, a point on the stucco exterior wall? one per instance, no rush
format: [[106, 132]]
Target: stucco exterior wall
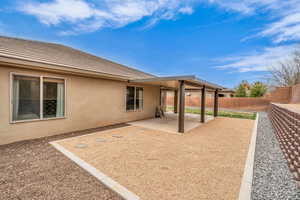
[[90, 103]]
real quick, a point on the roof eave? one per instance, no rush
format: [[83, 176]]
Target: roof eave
[[44, 66]]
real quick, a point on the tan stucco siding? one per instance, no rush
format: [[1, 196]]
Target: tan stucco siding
[[90, 103]]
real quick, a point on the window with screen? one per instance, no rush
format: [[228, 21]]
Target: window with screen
[[53, 98], [134, 98], [31, 102]]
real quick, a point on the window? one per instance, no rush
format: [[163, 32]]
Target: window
[[130, 98], [26, 98], [53, 98], [134, 98], [139, 100], [35, 98]]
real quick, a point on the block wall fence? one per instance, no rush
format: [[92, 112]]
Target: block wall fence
[[224, 102], [279, 95], [286, 124], [295, 94]]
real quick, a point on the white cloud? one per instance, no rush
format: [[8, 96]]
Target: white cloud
[[239, 6], [186, 10], [284, 13], [252, 6], [55, 12], [90, 16], [286, 29], [257, 60]]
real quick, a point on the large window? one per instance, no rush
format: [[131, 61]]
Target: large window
[[134, 98], [35, 98]]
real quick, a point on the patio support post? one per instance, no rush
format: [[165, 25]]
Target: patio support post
[[203, 94], [175, 101], [216, 103], [160, 97], [181, 107]]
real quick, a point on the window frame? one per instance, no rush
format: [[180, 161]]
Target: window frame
[[134, 110], [41, 77], [135, 98]]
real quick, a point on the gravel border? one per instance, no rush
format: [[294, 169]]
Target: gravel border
[[271, 177], [34, 169]]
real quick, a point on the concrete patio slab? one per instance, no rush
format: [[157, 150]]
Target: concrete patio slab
[[169, 123], [207, 163]]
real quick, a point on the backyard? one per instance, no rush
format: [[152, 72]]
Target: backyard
[[150, 100], [201, 164]]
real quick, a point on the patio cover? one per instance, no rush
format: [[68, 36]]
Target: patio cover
[[180, 84], [172, 82]]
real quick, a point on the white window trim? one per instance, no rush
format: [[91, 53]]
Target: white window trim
[[134, 110], [12, 74]]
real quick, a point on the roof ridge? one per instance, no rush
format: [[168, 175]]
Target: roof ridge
[[29, 40]]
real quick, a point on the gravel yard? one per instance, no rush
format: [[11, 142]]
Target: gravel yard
[[35, 170], [272, 179], [205, 163]]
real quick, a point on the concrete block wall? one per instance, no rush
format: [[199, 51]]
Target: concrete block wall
[[280, 95], [295, 94], [237, 103], [289, 94], [287, 129]]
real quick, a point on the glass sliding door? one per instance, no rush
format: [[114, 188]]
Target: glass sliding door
[[26, 98]]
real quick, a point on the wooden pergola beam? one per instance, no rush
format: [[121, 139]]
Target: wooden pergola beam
[[203, 94], [216, 103], [198, 90], [181, 107], [198, 85]]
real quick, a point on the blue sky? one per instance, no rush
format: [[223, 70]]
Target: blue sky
[[222, 41]]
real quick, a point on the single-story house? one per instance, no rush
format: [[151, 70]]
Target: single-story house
[[48, 89], [226, 92]]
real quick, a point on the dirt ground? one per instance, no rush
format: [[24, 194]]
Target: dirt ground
[[33, 169], [206, 163]]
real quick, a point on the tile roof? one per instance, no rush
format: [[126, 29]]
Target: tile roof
[[60, 55]]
